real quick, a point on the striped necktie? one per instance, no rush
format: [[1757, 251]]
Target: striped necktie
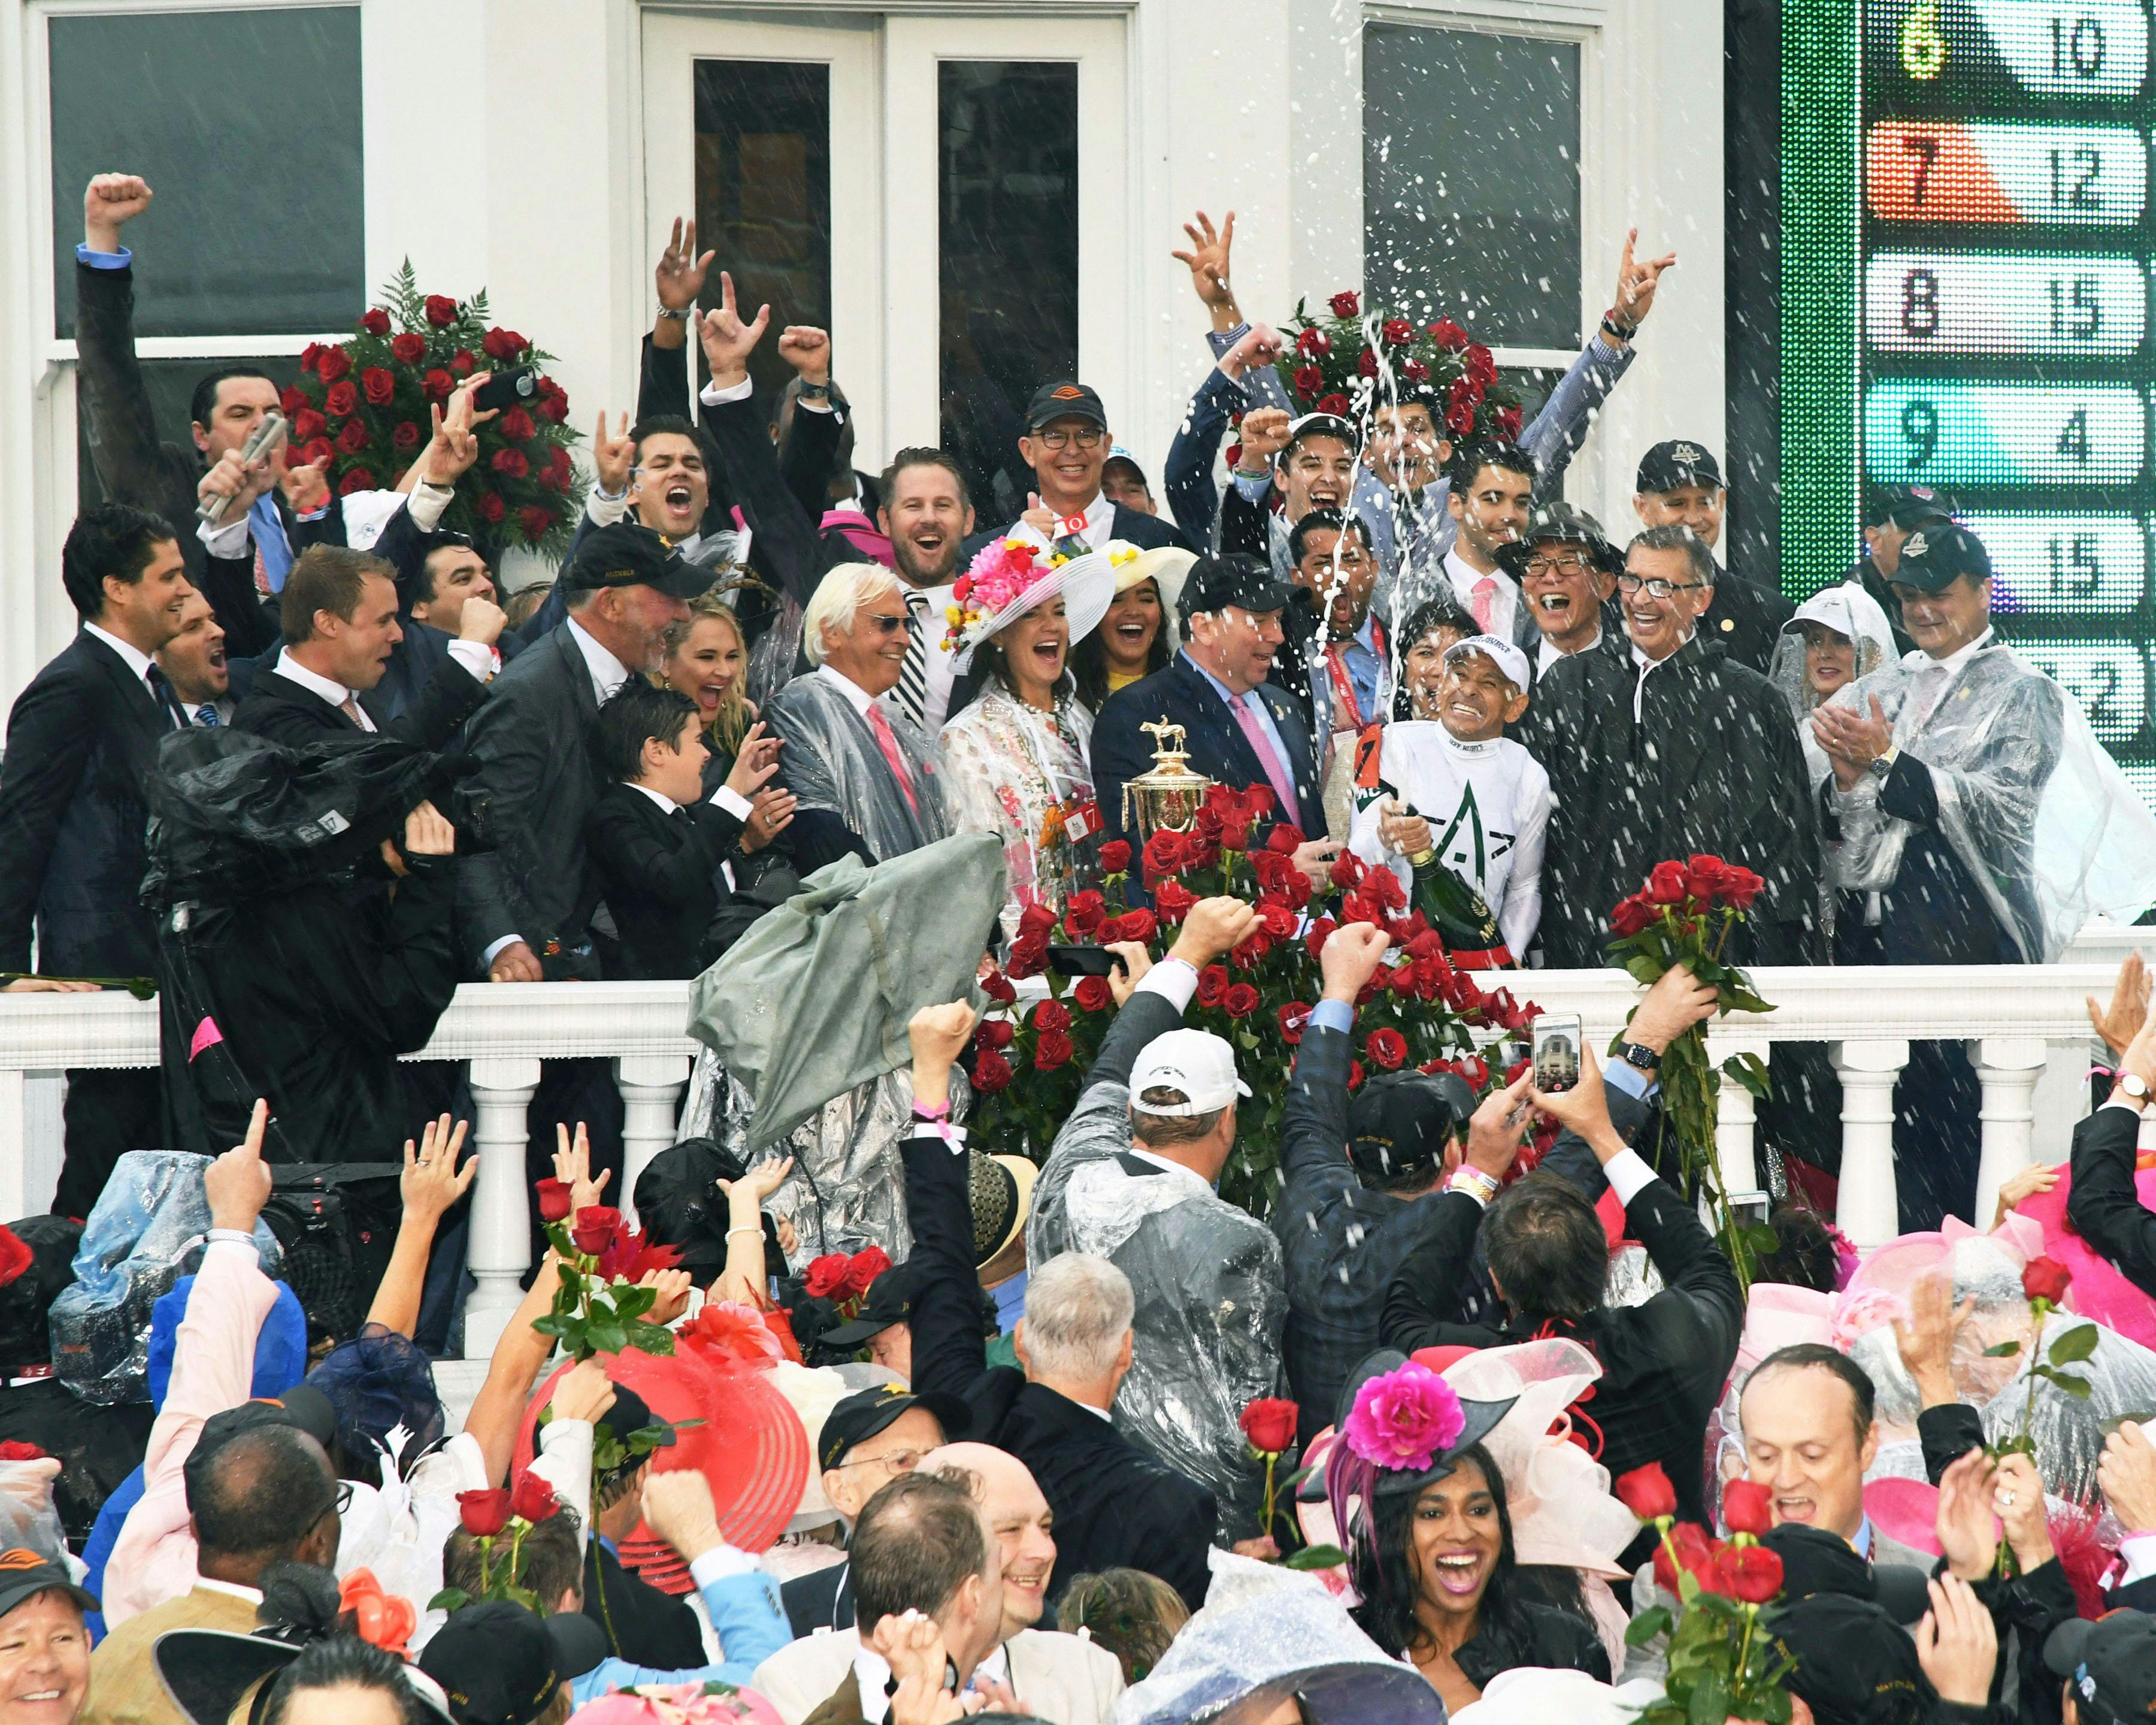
[[206, 714], [913, 674]]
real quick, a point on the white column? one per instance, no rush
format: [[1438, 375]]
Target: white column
[[1866, 1210], [15, 1151], [500, 1250], [2008, 1067], [1737, 1115], [650, 1085]]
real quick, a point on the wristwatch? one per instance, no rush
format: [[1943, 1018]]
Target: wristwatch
[[814, 392], [1881, 765], [1639, 1054], [1614, 329], [2135, 1086], [671, 316]]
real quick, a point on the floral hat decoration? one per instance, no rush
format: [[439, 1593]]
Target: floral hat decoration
[[1402, 1427], [1010, 578]]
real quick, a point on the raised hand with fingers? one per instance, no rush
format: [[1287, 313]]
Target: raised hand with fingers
[[754, 1188], [672, 1287], [1207, 260], [680, 276], [1350, 958], [1958, 1644], [1638, 281], [613, 457], [1926, 1337], [1968, 1539], [727, 340], [1264, 435], [2120, 1021], [1038, 516], [572, 1166], [1258, 347], [306, 487], [755, 762], [1584, 1107], [109, 201], [432, 1181], [770, 812], [808, 349], [1498, 1125], [1137, 961], [236, 1184], [584, 1392]]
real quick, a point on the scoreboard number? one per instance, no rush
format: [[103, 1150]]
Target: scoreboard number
[[2064, 565], [2070, 48], [1951, 433], [1998, 172], [2004, 303], [2109, 679]]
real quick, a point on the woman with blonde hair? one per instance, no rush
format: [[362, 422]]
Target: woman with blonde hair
[[707, 660]]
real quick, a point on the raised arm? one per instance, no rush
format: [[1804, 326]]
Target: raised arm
[[2104, 1205], [1314, 1123], [1422, 1300], [1557, 432], [431, 1183], [949, 1353]]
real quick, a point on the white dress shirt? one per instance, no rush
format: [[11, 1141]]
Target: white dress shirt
[[1100, 519], [475, 657], [874, 1675], [607, 673], [137, 660], [1549, 653], [1504, 602], [1647, 668], [857, 697]]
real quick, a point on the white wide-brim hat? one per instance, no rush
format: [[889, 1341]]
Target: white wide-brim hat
[[1087, 585], [1165, 566]]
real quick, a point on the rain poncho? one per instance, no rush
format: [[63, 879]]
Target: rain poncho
[[1854, 615], [1211, 1296], [1012, 772], [2040, 817], [832, 764]]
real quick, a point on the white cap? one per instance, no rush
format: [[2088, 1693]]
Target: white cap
[[1195, 1062], [1502, 654]]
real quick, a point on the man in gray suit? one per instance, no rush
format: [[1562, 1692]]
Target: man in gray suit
[[526, 906]]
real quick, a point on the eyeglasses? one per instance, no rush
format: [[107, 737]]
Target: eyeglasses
[[1657, 586], [1087, 437], [897, 1461], [885, 623], [1571, 562], [341, 1503]]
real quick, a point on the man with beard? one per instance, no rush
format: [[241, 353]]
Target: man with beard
[[1066, 445], [1680, 484], [1659, 747], [194, 663]]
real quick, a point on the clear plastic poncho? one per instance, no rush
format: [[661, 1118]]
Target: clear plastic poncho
[[1855, 616], [146, 1229], [2039, 815], [1211, 1294], [830, 762], [1012, 774]]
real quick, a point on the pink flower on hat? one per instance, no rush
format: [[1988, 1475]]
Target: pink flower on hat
[[1001, 573], [1404, 1418]]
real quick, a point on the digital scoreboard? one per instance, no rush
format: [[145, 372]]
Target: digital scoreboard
[[1999, 171]]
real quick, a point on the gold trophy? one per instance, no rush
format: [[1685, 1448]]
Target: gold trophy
[[1167, 797]]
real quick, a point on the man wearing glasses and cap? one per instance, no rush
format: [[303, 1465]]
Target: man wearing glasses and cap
[[1680, 484], [1067, 446]]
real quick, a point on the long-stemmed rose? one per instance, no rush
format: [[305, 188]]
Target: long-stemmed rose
[[487, 1515], [2044, 1284], [599, 1307]]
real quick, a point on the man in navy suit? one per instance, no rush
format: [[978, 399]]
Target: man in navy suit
[[81, 740], [1239, 729], [1067, 445]]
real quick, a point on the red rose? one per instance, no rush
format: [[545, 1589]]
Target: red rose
[[310, 356], [1294, 1019], [1415, 372], [438, 385], [441, 310], [553, 1196], [1354, 1075], [1093, 994], [1386, 1048], [1140, 925], [992, 1072], [375, 321], [355, 437], [556, 477], [1313, 344], [1240, 1000], [15, 1449], [341, 399], [502, 344], [516, 426], [1308, 381], [1481, 367], [292, 401], [1163, 853], [1028, 956], [1269, 1423], [406, 435], [1115, 857], [535, 521], [491, 506], [331, 364], [1751, 1573], [1346, 305], [359, 479], [1460, 420], [1366, 364], [1085, 913], [1247, 955], [1508, 423], [531, 1498], [510, 463], [483, 1513], [1347, 869], [1336, 404], [1051, 1015], [2046, 1279], [318, 451], [1201, 847], [1448, 335], [1052, 1050], [1315, 937], [864, 1267], [553, 402], [1747, 1509], [1646, 1492], [825, 1278], [1464, 393], [596, 1228], [1666, 884], [1632, 916], [1212, 984], [1384, 885], [1740, 886], [462, 362], [307, 425], [1278, 919], [1035, 920], [1173, 901], [996, 1033], [1400, 979], [409, 349], [379, 384], [15, 1255], [1398, 329], [1257, 801], [1693, 1553], [996, 987]]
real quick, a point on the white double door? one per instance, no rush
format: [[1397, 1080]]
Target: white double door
[[949, 195]]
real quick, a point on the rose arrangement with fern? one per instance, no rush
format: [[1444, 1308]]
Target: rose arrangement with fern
[[1352, 361]]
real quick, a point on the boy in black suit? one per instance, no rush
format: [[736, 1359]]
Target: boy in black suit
[[660, 852]]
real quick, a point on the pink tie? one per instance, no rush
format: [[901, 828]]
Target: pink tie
[[1268, 756], [887, 740], [1485, 597]]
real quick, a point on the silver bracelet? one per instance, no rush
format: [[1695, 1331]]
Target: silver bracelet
[[673, 316]]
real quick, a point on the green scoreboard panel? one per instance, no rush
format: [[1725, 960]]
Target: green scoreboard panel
[[1969, 243]]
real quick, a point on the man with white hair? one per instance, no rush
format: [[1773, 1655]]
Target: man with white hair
[[1131, 1178], [1114, 1505], [868, 784]]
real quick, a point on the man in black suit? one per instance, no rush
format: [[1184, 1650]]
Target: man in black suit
[[1237, 728], [1115, 1505], [340, 609], [244, 555], [1066, 445], [81, 740], [1680, 484], [194, 662], [2103, 1204]]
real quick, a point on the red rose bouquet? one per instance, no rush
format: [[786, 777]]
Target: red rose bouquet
[[1027, 1067], [489, 1516], [1683, 914], [363, 407], [1354, 362], [598, 1307]]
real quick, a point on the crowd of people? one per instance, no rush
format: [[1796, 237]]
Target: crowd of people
[[1118, 1450]]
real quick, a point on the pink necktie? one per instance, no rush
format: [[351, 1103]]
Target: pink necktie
[[887, 740], [1268, 756], [1484, 597]]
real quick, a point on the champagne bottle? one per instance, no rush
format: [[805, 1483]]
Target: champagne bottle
[[1459, 915]]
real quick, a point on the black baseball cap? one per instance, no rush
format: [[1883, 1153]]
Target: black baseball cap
[[1064, 400], [500, 1663], [1233, 578], [302, 1407], [678, 1201], [889, 1300], [1556, 522], [2109, 1663], [25, 1574], [1678, 462], [1905, 505], [630, 554], [1318, 425], [1399, 1122], [860, 1416], [1937, 551]]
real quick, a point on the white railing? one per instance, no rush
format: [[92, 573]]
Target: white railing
[[2018, 1021]]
